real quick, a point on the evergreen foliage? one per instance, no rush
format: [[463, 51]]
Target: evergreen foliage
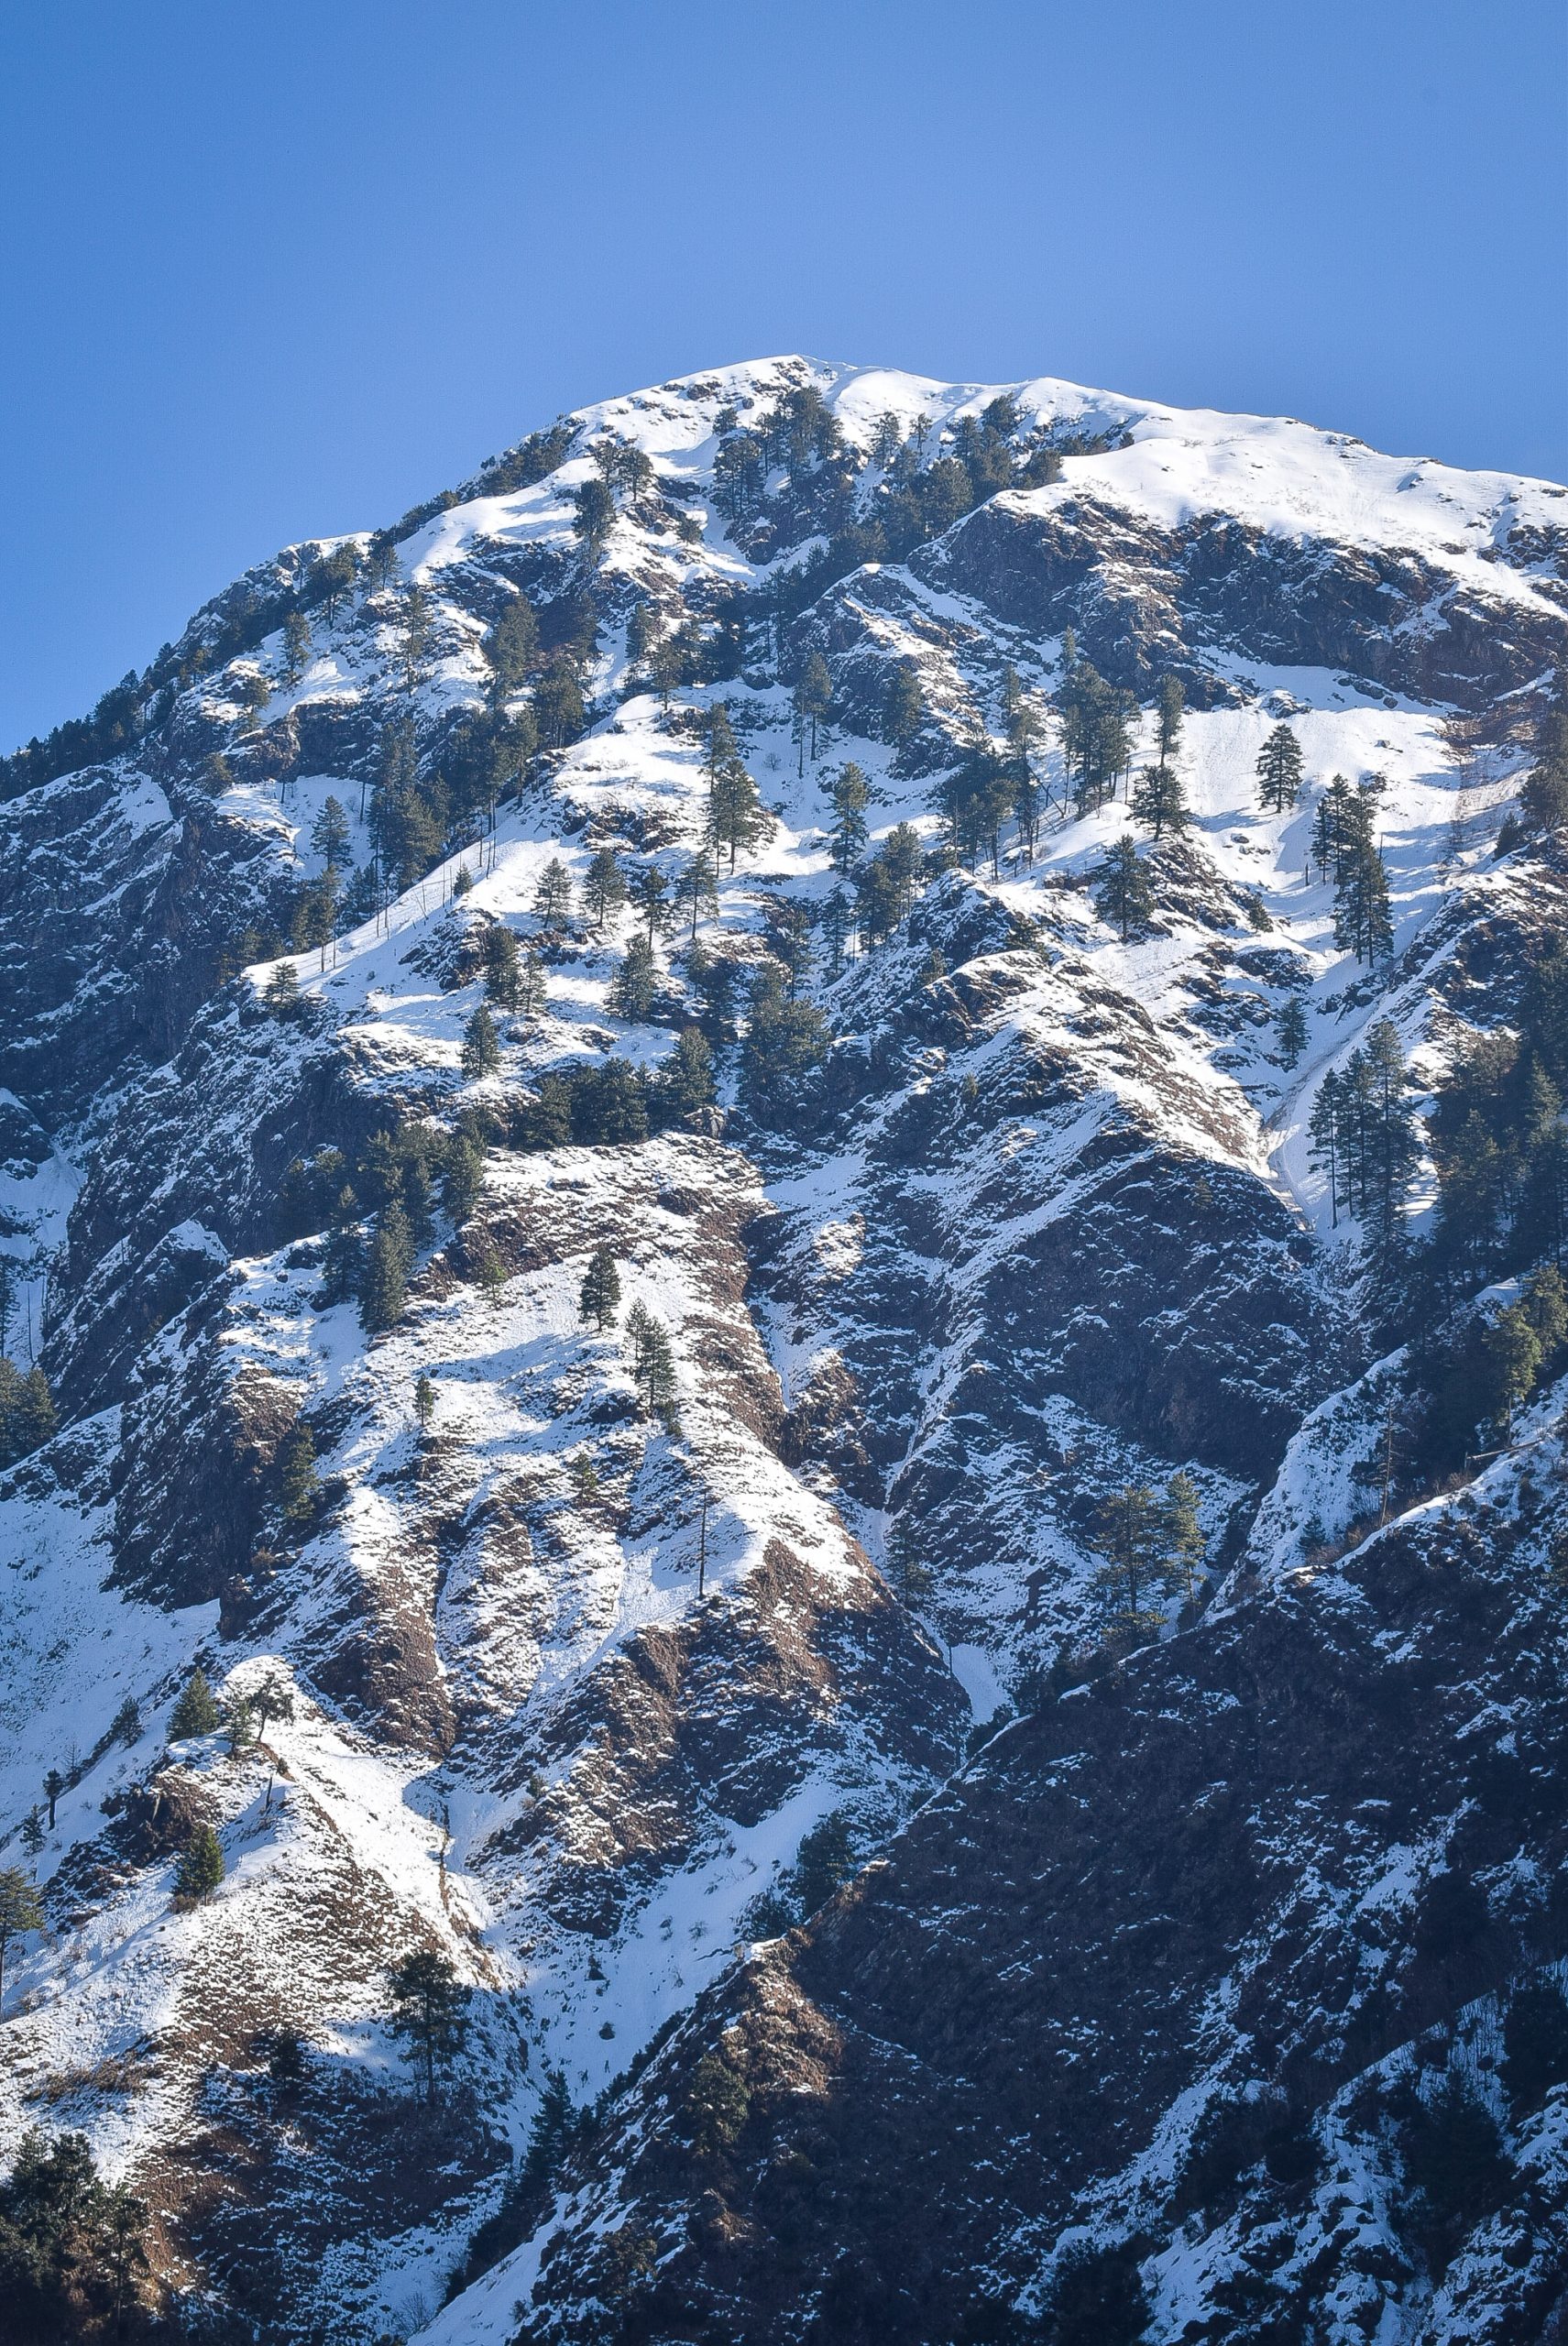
[[553, 897], [424, 1401], [636, 981], [1455, 2167], [481, 1053], [196, 1712], [383, 1284], [201, 1869], [73, 2253], [786, 1043], [1280, 771], [1124, 894], [1535, 2042], [21, 1911], [653, 1362], [503, 971], [1291, 1030], [429, 2011], [600, 1289], [604, 888], [299, 1485], [849, 795], [27, 1415], [512, 649]]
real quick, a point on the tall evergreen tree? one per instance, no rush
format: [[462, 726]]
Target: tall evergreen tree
[[604, 888], [600, 1289], [813, 704], [299, 1485], [552, 896], [429, 2011], [331, 834], [481, 1053], [905, 711], [649, 889], [1291, 1030], [201, 1869], [383, 1288], [635, 982], [1280, 771], [697, 890], [503, 977], [21, 1911], [849, 795], [1123, 892], [512, 649], [196, 1712]]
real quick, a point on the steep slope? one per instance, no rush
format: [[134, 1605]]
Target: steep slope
[[1034, 1219]]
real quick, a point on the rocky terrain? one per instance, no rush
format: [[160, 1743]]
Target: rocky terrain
[[872, 1919]]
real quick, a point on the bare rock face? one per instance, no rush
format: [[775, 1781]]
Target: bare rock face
[[869, 1922]]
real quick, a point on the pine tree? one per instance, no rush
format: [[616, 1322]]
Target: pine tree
[[813, 703], [1168, 715], [604, 888], [1131, 1532], [296, 646], [1159, 800], [850, 794], [299, 1486], [1324, 1127], [1291, 1030], [273, 1699], [196, 1713], [1123, 892], [342, 1259], [512, 649], [697, 890], [383, 1286], [553, 897], [686, 1082], [413, 634], [424, 1401], [1513, 1355], [502, 972], [32, 1834], [331, 834], [54, 1784], [736, 816], [282, 994], [201, 1869], [652, 1361], [530, 988], [648, 890], [905, 707], [633, 987], [836, 929], [1280, 771], [21, 1911], [1185, 1547], [600, 1289], [481, 1053], [429, 2011]]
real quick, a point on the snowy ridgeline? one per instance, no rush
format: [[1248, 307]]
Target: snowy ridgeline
[[572, 1669]]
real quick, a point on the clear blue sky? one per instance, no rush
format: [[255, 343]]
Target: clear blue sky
[[271, 272]]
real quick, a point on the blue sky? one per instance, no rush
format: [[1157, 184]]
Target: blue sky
[[274, 271]]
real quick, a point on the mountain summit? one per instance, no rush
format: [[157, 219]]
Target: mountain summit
[[784, 1529]]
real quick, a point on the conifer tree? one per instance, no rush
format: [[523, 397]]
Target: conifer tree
[[1169, 709], [54, 1784], [342, 1259], [21, 1911], [512, 649], [282, 995], [481, 1053], [836, 929], [1159, 800], [648, 890], [1325, 1131], [604, 888], [383, 1288], [296, 646], [331, 834], [850, 794], [600, 1289], [905, 707], [1291, 1030], [736, 817], [1131, 1532], [686, 1082], [1123, 894], [1280, 771], [553, 897], [1185, 1546], [299, 1486], [196, 1712], [502, 967], [697, 890], [201, 1869], [32, 1834], [653, 1362], [429, 2011], [413, 633], [273, 1699], [813, 704], [424, 1401], [635, 982]]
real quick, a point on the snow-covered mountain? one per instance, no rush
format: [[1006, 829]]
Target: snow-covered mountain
[[993, 1203]]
